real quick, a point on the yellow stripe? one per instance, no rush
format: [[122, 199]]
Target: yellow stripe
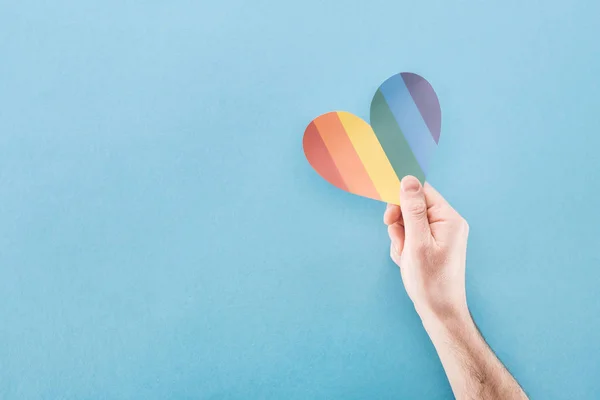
[[373, 157]]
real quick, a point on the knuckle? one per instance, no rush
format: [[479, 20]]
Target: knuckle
[[394, 256], [464, 225], [417, 207], [460, 223]]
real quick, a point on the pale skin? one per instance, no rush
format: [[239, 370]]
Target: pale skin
[[429, 244]]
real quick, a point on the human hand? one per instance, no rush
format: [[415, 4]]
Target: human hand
[[429, 243]]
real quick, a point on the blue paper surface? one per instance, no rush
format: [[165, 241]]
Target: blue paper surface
[[162, 235]]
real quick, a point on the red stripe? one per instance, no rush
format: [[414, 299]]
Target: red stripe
[[318, 156]]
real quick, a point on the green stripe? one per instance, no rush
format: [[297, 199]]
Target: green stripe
[[392, 139]]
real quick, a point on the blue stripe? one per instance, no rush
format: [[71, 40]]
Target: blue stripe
[[409, 120]]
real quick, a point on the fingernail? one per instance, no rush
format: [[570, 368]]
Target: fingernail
[[410, 184]]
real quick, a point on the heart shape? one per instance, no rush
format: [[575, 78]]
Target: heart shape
[[370, 160]]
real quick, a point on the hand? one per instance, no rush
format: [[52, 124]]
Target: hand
[[429, 243]]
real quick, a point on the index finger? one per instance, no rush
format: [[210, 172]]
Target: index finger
[[392, 214]]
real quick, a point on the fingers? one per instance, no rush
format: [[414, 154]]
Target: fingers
[[433, 197], [393, 219], [396, 234], [414, 210], [392, 214], [438, 208], [394, 255]]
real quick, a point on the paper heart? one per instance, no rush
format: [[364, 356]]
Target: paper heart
[[370, 160]]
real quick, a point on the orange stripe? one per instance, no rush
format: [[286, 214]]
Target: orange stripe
[[344, 156], [318, 156]]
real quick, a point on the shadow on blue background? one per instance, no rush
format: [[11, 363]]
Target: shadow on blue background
[[162, 236]]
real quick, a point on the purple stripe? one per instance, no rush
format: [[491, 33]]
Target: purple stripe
[[427, 102]]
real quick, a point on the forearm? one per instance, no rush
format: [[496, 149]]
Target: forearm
[[472, 368], [429, 244]]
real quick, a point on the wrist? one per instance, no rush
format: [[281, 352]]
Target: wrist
[[445, 317]]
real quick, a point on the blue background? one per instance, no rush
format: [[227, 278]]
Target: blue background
[[162, 235]]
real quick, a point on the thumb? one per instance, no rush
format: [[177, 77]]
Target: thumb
[[414, 210]]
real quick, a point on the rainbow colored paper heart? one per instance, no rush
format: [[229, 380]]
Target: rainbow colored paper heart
[[370, 160]]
